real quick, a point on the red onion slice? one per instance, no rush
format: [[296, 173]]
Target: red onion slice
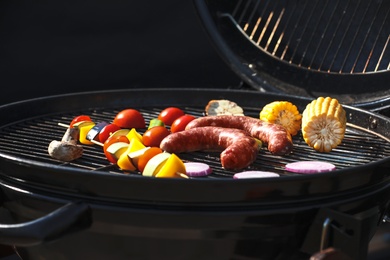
[[310, 167], [254, 174], [197, 169]]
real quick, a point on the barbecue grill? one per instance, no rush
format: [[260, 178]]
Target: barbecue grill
[[216, 209], [89, 208]]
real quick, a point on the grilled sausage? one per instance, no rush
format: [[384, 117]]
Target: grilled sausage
[[238, 148], [279, 141]]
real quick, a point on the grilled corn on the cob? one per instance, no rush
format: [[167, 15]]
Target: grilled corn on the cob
[[283, 113], [323, 124]]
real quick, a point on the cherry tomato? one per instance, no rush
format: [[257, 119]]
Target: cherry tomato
[[107, 131], [181, 123], [170, 114], [154, 136], [78, 119], [110, 141], [129, 118]]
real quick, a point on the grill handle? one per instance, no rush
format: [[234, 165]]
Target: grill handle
[[347, 233], [70, 218], [386, 217]]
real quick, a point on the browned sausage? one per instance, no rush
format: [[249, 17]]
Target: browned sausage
[[239, 148], [279, 141]]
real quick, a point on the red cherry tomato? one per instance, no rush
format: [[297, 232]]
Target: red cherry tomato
[[107, 131], [181, 123], [129, 118], [154, 136], [78, 119], [170, 114], [110, 141]]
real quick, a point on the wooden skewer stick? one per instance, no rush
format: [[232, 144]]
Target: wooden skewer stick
[[93, 141], [182, 175], [96, 142], [64, 125]]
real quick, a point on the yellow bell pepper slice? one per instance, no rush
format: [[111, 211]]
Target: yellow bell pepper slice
[[134, 134], [124, 162], [172, 168], [84, 128]]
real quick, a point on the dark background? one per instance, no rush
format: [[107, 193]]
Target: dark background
[[55, 47]]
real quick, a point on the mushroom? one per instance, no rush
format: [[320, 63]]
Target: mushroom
[[223, 107], [67, 149]]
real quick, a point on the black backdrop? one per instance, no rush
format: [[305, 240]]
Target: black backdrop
[[55, 47]]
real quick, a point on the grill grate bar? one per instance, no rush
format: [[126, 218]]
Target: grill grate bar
[[365, 41], [251, 18], [382, 55], [290, 39], [318, 46], [281, 36], [244, 12], [354, 39], [29, 140], [265, 28], [258, 21], [375, 44], [302, 32], [342, 41], [251, 14], [270, 39]]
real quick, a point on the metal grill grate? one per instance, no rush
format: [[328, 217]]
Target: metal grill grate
[[29, 140], [331, 36]]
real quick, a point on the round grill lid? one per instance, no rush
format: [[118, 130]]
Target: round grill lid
[[306, 48]]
